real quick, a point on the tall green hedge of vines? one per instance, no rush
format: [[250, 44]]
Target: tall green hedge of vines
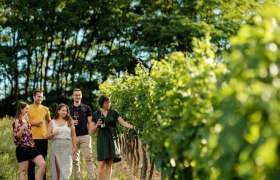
[[206, 119]]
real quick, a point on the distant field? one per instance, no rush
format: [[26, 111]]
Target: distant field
[[9, 169]]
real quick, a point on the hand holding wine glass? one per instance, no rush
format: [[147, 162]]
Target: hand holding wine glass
[[24, 124], [76, 116], [56, 132], [102, 125], [40, 122]]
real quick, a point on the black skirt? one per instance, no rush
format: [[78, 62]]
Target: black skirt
[[26, 153]]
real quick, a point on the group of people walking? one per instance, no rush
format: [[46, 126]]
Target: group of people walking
[[70, 130]]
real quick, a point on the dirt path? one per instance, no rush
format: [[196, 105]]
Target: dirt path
[[121, 171]]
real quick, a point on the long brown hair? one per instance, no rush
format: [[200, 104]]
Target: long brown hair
[[20, 106], [68, 117]]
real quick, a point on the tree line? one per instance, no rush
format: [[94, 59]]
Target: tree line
[[57, 45]]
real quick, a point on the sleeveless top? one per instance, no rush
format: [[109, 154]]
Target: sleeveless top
[[64, 131], [26, 139]]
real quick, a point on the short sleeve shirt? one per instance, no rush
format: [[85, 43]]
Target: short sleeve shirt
[[84, 112], [26, 140], [39, 113]]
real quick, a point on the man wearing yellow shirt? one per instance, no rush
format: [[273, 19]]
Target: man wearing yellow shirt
[[38, 116]]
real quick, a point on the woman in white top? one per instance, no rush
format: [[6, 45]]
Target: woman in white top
[[61, 129]]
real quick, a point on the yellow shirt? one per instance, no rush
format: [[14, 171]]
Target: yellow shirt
[[39, 113]]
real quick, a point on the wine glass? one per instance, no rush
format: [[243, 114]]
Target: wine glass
[[76, 115], [41, 120], [103, 122]]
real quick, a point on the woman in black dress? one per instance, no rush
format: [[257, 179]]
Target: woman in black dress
[[108, 150]]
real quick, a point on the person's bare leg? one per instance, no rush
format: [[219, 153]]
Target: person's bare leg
[[108, 170], [41, 163], [23, 167], [101, 165], [57, 169]]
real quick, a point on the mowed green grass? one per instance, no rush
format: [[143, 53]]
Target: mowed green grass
[[9, 169]]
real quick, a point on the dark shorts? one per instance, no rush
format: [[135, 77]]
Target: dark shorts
[[42, 146], [26, 153]]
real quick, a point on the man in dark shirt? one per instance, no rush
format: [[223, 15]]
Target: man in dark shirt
[[82, 116]]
